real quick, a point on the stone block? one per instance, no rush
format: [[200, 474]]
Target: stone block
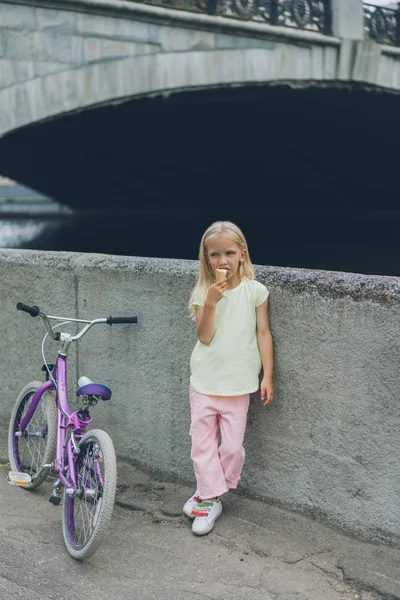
[[389, 72], [19, 45], [8, 118], [52, 89], [14, 16], [286, 62], [394, 84], [57, 20], [101, 49], [23, 70], [331, 55], [41, 69], [136, 75], [85, 84], [397, 76], [57, 47], [92, 86], [367, 61], [385, 72], [164, 71], [98, 25], [317, 63], [69, 87], [174, 39], [260, 65], [7, 76], [345, 60], [95, 49], [303, 63], [202, 40], [12, 72], [106, 82], [22, 102], [347, 19], [136, 31], [224, 41]]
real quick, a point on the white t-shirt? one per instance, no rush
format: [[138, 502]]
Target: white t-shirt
[[230, 364]]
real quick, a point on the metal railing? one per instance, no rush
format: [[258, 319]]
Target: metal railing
[[382, 23], [314, 15]]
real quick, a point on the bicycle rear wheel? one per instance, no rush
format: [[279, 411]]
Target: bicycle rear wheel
[[36, 446], [87, 513]]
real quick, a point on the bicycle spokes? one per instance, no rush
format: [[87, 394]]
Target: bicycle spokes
[[85, 504], [31, 443]]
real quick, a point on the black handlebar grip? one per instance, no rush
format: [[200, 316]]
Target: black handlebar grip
[[112, 320], [32, 310]]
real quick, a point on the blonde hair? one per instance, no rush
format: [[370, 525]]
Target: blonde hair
[[227, 230]]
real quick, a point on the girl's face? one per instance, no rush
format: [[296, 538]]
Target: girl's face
[[223, 253]]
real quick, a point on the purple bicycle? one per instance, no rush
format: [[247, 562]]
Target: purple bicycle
[[47, 437]]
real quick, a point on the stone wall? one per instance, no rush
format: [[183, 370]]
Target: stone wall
[[328, 445]]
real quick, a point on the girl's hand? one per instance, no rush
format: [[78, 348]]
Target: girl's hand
[[215, 292], [267, 390]]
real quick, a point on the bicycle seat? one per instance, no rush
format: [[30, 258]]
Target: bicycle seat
[[94, 389]]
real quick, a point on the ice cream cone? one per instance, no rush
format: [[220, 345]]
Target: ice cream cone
[[220, 274]]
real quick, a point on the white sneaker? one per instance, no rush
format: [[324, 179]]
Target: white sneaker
[[206, 513], [191, 505]]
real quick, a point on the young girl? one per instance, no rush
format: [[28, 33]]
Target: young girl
[[234, 341]]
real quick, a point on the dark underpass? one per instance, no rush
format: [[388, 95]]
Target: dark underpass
[[310, 174]]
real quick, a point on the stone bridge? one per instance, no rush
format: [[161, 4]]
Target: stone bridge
[[140, 96]]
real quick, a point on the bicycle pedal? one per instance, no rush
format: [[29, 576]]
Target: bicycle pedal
[[55, 500], [15, 478]]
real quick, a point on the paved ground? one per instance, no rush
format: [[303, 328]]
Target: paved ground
[[256, 551]]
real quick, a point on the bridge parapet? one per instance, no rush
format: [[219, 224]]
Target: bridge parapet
[[382, 24], [313, 15]]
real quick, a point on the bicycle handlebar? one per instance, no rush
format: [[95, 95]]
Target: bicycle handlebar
[[112, 320], [34, 311]]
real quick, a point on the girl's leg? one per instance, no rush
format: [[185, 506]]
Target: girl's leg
[[233, 419], [204, 431]]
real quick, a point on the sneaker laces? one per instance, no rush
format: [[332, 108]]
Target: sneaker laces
[[203, 508]]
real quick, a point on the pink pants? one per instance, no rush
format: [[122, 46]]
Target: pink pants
[[217, 467]]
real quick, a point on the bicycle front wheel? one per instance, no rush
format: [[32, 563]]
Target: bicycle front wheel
[[36, 446], [87, 512]]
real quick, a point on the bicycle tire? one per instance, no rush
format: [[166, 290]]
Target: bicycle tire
[[28, 453], [87, 514]]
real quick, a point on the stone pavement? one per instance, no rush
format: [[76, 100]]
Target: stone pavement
[[256, 551]]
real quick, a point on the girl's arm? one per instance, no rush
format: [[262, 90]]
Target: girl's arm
[[265, 345], [205, 314]]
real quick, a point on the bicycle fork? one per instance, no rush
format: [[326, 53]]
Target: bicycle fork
[[71, 451]]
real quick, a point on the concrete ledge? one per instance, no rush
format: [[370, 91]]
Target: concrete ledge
[[328, 445]]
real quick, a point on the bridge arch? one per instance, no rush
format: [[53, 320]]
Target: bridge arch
[[115, 80]]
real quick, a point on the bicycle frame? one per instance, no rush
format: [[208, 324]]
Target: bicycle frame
[[67, 420]]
